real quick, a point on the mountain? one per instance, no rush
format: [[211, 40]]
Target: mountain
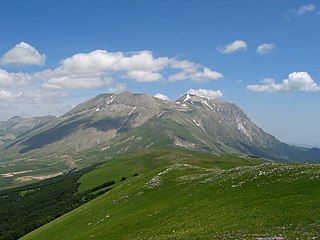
[[128, 122], [93, 122], [18, 126], [109, 125], [161, 169]]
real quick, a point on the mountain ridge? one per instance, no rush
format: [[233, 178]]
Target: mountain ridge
[[109, 125], [192, 121], [18, 126]]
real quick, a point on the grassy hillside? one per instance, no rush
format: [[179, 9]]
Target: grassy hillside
[[132, 164], [195, 198], [28, 207]]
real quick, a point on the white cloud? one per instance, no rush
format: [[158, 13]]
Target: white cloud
[[192, 71], [32, 96], [88, 70], [34, 102], [162, 96], [88, 63], [206, 93], [118, 88], [74, 82], [177, 77], [143, 76], [297, 81], [187, 66], [206, 73], [39, 95], [23, 54], [8, 95], [141, 61], [13, 79], [305, 9], [237, 45], [265, 48]]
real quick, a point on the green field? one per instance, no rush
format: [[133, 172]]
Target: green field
[[195, 196], [137, 163]]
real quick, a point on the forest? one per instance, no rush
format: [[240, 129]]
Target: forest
[[26, 208]]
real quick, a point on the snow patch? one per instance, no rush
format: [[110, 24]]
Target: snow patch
[[187, 97], [205, 102], [110, 100], [132, 110], [198, 125]]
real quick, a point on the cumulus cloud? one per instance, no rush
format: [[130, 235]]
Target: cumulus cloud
[[23, 54], [12, 79], [177, 77], [118, 88], [33, 102], [206, 93], [265, 48], [162, 96], [94, 68], [192, 71], [237, 45], [32, 96], [141, 61], [305, 9], [8, 95], [143, 76], [296, 81], [74, 82], [206, 73], [39, 95]]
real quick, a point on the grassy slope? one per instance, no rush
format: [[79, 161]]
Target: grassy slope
[[141, 162], [199, 201]]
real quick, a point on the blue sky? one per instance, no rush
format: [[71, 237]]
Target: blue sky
[[261, 55]]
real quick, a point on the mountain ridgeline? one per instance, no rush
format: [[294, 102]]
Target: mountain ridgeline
[[128, 122], [18, 126]]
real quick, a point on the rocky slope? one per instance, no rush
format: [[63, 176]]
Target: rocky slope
[[128, 122]]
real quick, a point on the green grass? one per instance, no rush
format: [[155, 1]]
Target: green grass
[[144, 161], [199, 198]]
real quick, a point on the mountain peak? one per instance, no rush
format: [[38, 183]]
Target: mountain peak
[[193, 97], [106, 101]]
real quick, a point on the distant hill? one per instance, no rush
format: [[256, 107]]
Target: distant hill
[[18, 126]]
